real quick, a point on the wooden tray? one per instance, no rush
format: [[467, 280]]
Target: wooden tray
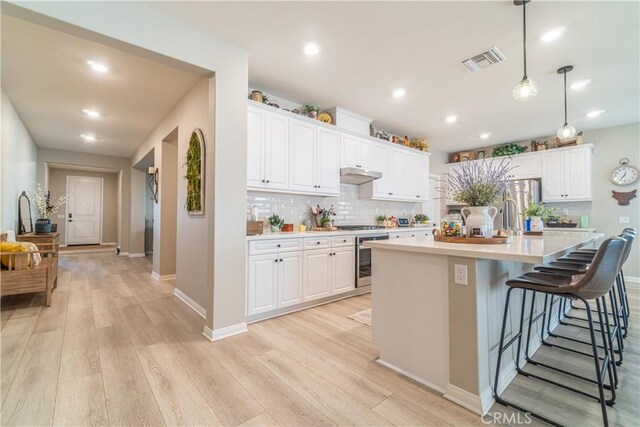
[[473, 240], [324, 229], [533, 233]]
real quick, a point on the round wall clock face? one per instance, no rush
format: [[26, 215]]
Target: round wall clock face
[[624, 175]]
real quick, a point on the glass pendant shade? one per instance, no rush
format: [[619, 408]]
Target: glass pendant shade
[[566, 132], [525, 89]]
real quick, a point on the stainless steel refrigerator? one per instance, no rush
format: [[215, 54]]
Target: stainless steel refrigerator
[[523, 193]]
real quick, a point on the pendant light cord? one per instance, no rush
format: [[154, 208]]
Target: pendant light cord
[[565, 97], [524, 36]]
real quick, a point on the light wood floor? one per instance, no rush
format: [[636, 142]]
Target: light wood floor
[[116, 348]]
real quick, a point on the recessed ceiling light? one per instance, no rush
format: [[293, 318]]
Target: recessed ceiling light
[[399, 93], [485, 135], [91, 113], [552, 34], [311, 49], [580, 84], [88, 137], [451, 119], [594, 114], [98, 66]]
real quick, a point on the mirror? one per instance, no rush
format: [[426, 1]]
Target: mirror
[[25, 223]]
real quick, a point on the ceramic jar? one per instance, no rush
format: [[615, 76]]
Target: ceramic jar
[[479, 220], [537, 225]]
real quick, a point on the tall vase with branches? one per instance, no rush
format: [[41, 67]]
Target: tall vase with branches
[[45, 208]]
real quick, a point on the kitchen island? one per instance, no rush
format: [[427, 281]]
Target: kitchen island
[[437, 308]]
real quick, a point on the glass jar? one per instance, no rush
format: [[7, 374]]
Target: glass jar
[[451, 226]]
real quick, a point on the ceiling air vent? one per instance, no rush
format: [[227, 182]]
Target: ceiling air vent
[[484, 59]]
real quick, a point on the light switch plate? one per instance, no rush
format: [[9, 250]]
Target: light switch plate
[[60, 216], [460, 272], [623, 220]]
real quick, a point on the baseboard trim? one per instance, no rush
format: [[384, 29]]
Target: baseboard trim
[[148, 252], [162, 278], [464, 398], [632, 279], [136, 255], [409, 375], [226, 332], [123, 254], [190, 303]]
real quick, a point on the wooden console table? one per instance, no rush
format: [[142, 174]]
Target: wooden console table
[[45, 242]]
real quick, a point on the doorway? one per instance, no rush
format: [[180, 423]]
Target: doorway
[[84, 210]]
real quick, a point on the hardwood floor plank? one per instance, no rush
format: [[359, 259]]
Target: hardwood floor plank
[[179, 399], [31, 399], [140, 328], [262, 420], [403, 413], [80, 356], [53, 318], [81, 402]]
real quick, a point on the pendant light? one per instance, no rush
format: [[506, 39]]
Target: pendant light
[[526, 88], [566, 132]]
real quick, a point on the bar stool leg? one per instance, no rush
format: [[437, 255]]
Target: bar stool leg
[[596, 362], [608, 365]]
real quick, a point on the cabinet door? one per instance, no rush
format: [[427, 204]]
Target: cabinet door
[[349, 151], [451, 172], [381, 164], [365, 153], [289, 279], [302, 160], [526, 167], [422, 167], [276, 149], [255, 147], [262, 286], [553, 171], [396, 174], [328, 161], [577, 174], [317, 274], [343, 269]]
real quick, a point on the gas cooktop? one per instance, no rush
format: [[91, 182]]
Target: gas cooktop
[[360, 227]]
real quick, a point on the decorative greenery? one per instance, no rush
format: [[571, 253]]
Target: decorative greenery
[[276, 221], [42, 202], [381, 218], [478, 183], [193, 176], [420, 218], [309, 108], [508, 150], [541, 210]]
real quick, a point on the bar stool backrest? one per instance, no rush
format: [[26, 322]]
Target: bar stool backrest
[[603, 271], [630, 230], [629, 237]]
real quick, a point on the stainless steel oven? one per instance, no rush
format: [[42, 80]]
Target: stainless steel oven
[[363, 258]]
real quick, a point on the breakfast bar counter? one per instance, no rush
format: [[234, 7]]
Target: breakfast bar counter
[[437, 307]]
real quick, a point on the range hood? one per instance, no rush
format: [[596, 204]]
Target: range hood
[[358, 176]]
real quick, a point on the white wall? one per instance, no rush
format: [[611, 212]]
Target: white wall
[[18, 155]]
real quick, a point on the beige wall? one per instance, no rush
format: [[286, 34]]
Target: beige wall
[[58, 187], [18, 155], [60, 157]]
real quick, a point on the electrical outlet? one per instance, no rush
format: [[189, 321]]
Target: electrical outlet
[[461, 274], [60, 216], [623, 220]]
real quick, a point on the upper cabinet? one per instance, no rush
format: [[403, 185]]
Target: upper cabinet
[[267, 145], [526, 167], [356, 152], [566, 175]]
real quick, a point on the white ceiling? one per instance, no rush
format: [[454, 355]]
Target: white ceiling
[[44, 73], [371, 48]]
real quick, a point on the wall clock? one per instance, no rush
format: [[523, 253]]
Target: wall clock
[[625, 174]]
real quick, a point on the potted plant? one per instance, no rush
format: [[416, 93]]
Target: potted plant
[[275, 223], [539, 213], [421, 218], [322, 215], [45, 208], [310, 111], [479, 185], [381, 219]]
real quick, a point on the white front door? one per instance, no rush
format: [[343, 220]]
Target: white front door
[[84, 210]]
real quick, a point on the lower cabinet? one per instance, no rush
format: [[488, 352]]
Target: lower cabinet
[[286, 279]]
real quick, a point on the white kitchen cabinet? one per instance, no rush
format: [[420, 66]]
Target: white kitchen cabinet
[[316, 282], [262, 284], [526, 167], [396, 174], [451, 172], [328, 161], [267, 145], [417, 176], [381, 164], [289, 279], [356, 152], [566, 175], [343, 266], [302, 161]]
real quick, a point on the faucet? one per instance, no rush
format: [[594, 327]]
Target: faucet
[[516, 231]]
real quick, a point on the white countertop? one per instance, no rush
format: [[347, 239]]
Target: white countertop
[[527, 249], [298, 234]]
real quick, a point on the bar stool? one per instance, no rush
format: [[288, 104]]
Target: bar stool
[[593, 285]]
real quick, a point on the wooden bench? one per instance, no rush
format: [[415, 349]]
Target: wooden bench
[[19, 278]]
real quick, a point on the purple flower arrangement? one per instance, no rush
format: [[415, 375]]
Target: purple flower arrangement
[[479, 183]]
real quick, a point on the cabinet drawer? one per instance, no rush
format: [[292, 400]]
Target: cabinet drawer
[[338, 241], [317, 242], [270, 246]]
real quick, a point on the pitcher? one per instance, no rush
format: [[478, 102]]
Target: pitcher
[[479, 221]]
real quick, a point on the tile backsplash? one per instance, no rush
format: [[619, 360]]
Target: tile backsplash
[[349, 208]]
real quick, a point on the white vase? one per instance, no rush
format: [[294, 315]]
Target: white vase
[[479, 222], [536, 224]]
